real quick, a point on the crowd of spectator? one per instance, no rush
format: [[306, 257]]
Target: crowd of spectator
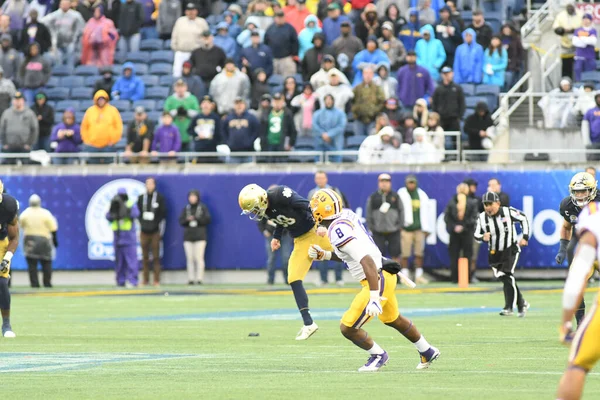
[[255, 76]]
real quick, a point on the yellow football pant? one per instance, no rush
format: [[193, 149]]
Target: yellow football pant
[[3, 248], [300, 262], [585, 349], [356, 316]]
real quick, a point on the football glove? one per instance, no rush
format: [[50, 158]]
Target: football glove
[[562, 251], [566, 333], [5, 266], [374, 307], [317, 253]]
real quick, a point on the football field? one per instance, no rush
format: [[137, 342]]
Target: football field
[[80, 343]]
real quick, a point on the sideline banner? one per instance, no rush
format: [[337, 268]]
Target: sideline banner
[[234, 242]]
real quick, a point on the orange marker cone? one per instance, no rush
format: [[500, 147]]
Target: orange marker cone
[[463, 272]]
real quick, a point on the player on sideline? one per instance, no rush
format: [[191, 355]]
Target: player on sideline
[[9, 240], [585, 347], [583, 189], [356, 249], [291, 211]]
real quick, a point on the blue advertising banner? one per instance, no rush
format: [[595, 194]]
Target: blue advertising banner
[[85, 239]]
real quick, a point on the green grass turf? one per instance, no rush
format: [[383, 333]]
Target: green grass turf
[[484, 356]]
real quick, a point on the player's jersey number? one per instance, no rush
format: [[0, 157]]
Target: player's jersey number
[[284, 221]]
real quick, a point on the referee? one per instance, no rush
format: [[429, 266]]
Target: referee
[[496, 225]]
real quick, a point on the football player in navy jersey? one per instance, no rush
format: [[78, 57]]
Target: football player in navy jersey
[[291, 211], [9, 240]]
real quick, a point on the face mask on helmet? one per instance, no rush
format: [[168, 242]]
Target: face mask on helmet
[[256, 213], [581, 197]]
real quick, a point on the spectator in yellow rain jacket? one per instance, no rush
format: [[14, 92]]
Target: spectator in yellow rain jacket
[[101, 127]]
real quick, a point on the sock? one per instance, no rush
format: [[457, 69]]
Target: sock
[[376, 349], [422, 345], [580, 313], [4, 294], [405, 271], [5, 322], [418, 273], [302, 301]]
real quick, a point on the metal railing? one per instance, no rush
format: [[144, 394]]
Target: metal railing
[[520, 92], [545, 69], [535, 19], [517, 155]]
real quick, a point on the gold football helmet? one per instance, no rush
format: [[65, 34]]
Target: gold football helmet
[[326, 204], [253, 201], [583, 189]]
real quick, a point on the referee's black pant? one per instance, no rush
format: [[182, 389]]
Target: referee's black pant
[[580, 313], [459, 241], [503, 266]]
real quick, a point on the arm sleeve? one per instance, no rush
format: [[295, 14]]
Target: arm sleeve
[[585, 132], [478, 230], [518, 215], [205, 218]]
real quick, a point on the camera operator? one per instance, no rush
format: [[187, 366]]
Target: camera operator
[[123, 211]]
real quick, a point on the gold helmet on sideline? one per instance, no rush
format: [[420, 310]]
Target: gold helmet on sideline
[[253, 201], [583, 188], [326, 204]]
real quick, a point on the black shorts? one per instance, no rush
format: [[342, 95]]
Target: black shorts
[[388, 243], [505, 262]]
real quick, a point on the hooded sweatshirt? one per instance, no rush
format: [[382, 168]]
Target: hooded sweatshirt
[[166, 139], [168, 12], [332, 28], [240, 131], [475, 123], [47, 114], [331, 121], [18, 128], [227, 44], [388, 84], [101, 126], [10, 59], [194, 228], [468, 60], [244, 38], [305, 38], [131, 88], [65, 27], [34, 72], [7, 91], [226, 87], [366, 57], [258, 90], [430, 54], [71, 139], [313, 58], [410, 34]]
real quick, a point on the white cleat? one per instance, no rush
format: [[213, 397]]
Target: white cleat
[[307, 331], [427, 360], [9, 334], [375, 363], [523, 311]]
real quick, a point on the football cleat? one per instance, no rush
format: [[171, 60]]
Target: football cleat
[[7, 332], [506, 312], [523, 311], [428, 357], [375, 362], [307, 331]]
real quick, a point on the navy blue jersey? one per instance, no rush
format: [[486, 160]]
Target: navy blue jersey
[[9, 209], [289, 211], [570, 211]]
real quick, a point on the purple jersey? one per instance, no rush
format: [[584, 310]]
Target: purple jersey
[[587, 37]]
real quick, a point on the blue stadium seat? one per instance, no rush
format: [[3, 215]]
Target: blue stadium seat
[[467, 16], [166, 80], [127, 117], [62, 70], [469, 111], [354, 142], [160, 105], [305, 143], [149, 80], [51, 103], [120, 58], [471, 101], [71, 81], [157, 93], [53, 82], [57, 93], [164, 56], [213, 20], [275, 80], [299, 79], [82, 93], [85, 104], [155, 116], [79, 117], [491, 92], [149, 105], [494, 23], [151, 44], [64, 104], [275, 89], [122, 105], [167, 44], [117, 68], [141, 69], [468, 89], [490, 7], [593, 76], [86, 70], [121, 144], [138, 57], [90, 81], [161, 69]]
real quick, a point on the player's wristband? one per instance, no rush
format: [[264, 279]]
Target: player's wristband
[[564, 243], [374, 294], [8, 256], [326, 255]]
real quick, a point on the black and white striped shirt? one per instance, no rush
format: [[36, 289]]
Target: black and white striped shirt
[[503, 233]]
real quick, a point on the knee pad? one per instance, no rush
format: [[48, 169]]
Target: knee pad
[[4, 294]]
